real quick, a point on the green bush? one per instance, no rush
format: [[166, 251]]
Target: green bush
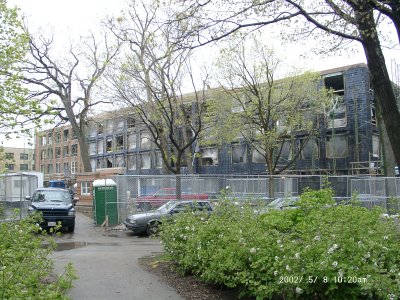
[[319, 250], [25, 266]]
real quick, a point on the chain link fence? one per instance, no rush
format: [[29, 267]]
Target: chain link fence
[[140, 193], [13, 189]]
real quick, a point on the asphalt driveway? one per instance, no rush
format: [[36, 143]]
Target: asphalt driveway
[[107, 263]]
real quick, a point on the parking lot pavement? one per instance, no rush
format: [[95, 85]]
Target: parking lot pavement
[[107, 263]]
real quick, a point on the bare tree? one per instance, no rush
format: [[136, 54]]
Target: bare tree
[[346, 20], [151, 79], [66, 86]]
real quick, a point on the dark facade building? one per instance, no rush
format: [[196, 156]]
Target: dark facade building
[[347, 141]]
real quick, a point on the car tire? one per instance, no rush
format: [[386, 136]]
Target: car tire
[[71, 228], [153, 228]]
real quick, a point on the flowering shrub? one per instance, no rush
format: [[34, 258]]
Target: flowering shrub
[[25, 266], [319, 251]]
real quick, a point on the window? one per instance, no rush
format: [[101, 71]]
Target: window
[[58, 167], [74, 167], [145, 142], [23, 167], [109, 126], [58, 152], [158, 160], [65, 151], [145, 161], [50, 138], [100, 163], [85, 188], [23, 156], [336, 147], [66, 168], [375, 146], [100, 147], [310, 148], [120, 161], [338, 117], [132, 141], [92, 148], [109, 144], [287, 151], [10, 167], [42, 169], [43, 140], [50, 169], [66, 135], [373, 116], [50, 153], [100, 128], [93, 130], [130, 122], [239, 154], [257, 156], [119, 142], [209, 157], [43, 154], [109, 162], [74, 135], [74, 150], [132, 162], [93, 164], [335, 82], [58, 137], [119, 125], [9, 155]]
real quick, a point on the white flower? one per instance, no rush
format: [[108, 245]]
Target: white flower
[[334, 264], [391, 297], [359, 243], [288, 268], [276, 258], [253, 250], [333, 248], [317, 238], [368, 255], [187, 228], [299, 290], [202, 219], [385, 237], [279, 241], [297, 255]]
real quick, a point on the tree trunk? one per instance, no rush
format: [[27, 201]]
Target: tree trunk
[[384, 94]]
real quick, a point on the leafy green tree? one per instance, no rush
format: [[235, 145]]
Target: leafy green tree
[[269, 114], [15, 109]]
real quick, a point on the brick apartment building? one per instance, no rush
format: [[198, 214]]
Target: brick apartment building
[[14, 159], [347, 142]]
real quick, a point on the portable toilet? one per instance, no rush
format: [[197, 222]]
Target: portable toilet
[[105, 201]]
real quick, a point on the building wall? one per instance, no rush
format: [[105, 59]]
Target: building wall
[[57, 154], [17, 160], [118, 143]]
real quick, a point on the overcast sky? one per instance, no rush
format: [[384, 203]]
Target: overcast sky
[[71, 19]]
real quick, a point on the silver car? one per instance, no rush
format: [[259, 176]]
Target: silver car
[[148, 222]]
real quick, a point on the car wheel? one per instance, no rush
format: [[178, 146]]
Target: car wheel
[[145, 206], [152, 228], [71, 228]]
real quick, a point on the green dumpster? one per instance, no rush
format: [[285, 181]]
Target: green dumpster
[[105, 201]]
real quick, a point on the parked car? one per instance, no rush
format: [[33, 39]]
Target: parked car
[[284, 203], [148, 222], [164, 195], [56, 206]]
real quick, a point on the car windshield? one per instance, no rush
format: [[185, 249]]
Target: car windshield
[[52, 196], [164, 208]]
